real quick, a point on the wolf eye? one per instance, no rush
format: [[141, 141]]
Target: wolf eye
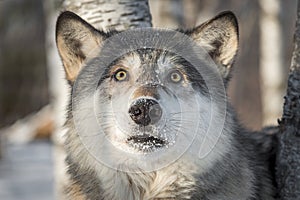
[[175, 77], [120, 75]]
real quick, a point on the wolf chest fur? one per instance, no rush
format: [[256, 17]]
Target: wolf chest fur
[[140, 100]]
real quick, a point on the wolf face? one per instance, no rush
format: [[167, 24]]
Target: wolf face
[[148, 89], [157, 115]]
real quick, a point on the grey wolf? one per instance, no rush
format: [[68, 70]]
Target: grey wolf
[[236, 168]]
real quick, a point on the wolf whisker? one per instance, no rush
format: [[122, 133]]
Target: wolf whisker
[[176, 113]]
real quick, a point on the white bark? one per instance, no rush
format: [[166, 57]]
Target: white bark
[[117, 14], [271, 72]]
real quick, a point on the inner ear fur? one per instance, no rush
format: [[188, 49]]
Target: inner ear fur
[[76, 41], [219, 37]]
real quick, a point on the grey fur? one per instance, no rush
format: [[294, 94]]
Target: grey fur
[[238, 167]]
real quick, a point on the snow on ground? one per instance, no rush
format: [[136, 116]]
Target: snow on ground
[[26, 172]]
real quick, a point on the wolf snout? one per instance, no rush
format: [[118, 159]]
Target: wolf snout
[[145, 111]]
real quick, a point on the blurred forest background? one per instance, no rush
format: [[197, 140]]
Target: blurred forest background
[[27, 83], [23, 64]]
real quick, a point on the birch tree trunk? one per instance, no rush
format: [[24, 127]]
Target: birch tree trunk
[[59, 96], [271, 61], [288, 156], [114, 14], [104, 15]]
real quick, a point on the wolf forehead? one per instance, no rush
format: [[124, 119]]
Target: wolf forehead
[[148, 59], [148, 64]]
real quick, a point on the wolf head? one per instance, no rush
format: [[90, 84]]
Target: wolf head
[[149, 100], [77, 41]]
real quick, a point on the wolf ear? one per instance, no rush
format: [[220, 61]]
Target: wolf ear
[[219, 37], [76, 41]]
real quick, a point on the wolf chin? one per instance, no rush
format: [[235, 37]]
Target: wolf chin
[[147, 104]]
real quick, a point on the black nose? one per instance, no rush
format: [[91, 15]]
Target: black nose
[[145, 111]]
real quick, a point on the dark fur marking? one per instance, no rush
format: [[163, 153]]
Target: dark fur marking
[[90, 186]]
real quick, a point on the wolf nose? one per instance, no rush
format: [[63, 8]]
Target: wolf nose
[[145, 111]]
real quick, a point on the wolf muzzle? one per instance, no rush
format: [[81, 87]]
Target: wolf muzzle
[[145, 111]]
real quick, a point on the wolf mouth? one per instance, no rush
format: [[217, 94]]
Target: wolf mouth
[[146, 142]]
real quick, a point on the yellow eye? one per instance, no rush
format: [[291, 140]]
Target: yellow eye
[[120, 75], [176, 77]]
